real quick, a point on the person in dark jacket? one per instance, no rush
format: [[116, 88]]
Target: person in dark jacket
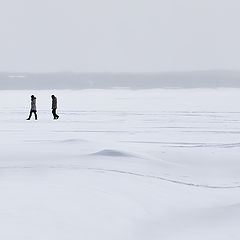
[[33, 108], [54, 107]]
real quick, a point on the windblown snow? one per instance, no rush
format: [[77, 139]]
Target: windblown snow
[[121, 164]]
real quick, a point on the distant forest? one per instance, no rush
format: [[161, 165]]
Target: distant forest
[[69, 80]]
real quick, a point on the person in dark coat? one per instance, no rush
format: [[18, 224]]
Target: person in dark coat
[[54, 107], [33, 108]]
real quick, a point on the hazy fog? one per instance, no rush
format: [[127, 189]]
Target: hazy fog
[[61, 80], [119, 36]]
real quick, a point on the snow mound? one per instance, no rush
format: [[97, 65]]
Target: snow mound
[[113, 153], [72, 140]]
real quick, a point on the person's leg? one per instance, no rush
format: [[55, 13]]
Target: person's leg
[[35, 113], [30, 115], [54, 114]]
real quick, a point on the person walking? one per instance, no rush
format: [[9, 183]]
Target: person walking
[[54, 107], [33, 108]]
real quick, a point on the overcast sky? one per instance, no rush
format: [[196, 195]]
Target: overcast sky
[[119, 35]]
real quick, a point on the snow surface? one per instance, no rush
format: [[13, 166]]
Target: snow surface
[[121, 164]]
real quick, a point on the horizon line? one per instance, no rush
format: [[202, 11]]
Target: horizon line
[[122, 72]]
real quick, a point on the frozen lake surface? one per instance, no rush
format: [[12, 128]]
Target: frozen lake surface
[[121, 164]]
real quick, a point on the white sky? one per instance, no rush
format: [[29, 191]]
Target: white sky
[[119, 35]]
